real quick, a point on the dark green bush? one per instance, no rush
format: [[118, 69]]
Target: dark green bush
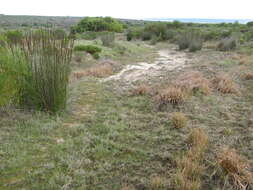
[[14, 36], [88, 48], [108, 39], [227, 44], [129, 36], [147, 35], [97, 24]]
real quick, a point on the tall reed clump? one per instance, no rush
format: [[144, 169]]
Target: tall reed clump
[[47, 56]]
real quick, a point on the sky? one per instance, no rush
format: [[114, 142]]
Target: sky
[[132, 9]]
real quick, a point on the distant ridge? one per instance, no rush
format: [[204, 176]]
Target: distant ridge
[[201, 20]]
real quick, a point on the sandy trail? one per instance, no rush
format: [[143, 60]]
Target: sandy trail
[[168, 60]]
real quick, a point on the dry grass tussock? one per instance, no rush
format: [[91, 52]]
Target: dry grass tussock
[[157, 182], [127, 187], [178, 120], [193, 82], [98, 71], [236, 168], [224, 84], [190, 166], [140, 90], [249, 76], [170, 95]]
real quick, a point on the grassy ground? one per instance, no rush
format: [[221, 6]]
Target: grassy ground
[[108, 139]]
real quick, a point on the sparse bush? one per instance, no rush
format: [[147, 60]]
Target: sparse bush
[[191, 40], [154, 40], [147, 35], [195, 45], [178, 120], [108, 39], [227, 44]]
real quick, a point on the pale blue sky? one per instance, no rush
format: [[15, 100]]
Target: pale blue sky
[[228, 9]]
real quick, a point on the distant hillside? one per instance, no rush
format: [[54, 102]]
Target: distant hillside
[[201, 20], [9, 21]]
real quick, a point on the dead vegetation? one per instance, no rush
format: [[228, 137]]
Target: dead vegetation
[[170, 95], [236, 168], [224, 84], [178, 120], [140, 90], [157, 183], [193, 82], [190, 167], [99, 71], [249, 76]]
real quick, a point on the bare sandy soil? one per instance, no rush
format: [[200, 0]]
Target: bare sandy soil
[[168, 60]]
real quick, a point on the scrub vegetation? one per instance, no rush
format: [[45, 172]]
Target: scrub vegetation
[[107, 104]]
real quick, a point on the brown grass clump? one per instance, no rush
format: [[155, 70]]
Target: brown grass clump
[[178, 120], [224, 84], [98, 71], [249, 76], [127, 187], [171, 95], [190, 166], [140, 90], [193, 82], [236, 168], [157, 183]]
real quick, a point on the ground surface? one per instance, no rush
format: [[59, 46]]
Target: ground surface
[[109, 139]]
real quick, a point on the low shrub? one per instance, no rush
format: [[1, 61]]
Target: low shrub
[[108, 39], [227, 44], [191, 40], [178, 120], [88, 48]]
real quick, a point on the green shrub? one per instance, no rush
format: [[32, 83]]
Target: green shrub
[[227, 44], [11, 71], [108, 39], [97, 24], [96, 55], [13, 36], [43, 60], [147, 35], [88, 48], [129, 36]]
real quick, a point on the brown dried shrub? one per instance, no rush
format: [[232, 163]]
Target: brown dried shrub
[[140, 90], [224, 84], [171, 95], [178, 120], [249, 76], [193, 82], [98, 71], [235, 168]]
